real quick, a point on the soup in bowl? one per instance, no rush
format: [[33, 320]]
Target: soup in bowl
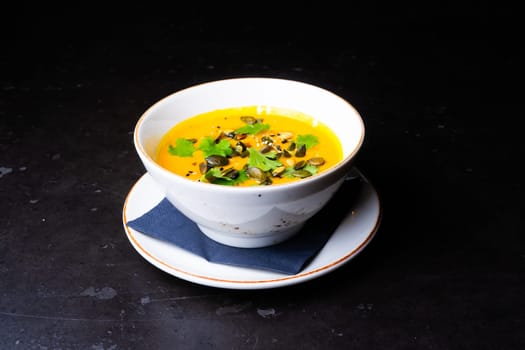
[[247, 146], [249, 160]]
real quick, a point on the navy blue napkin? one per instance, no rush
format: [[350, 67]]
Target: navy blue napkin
[[166, 223]]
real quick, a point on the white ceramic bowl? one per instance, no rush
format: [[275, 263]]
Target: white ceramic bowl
[[255, 216]]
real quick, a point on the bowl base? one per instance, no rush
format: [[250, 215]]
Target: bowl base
[[239, 240]]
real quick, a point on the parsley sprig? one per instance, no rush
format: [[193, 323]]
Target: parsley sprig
[[210, 148], [259, 160], [308, 140], [252, 129], [183, 148]]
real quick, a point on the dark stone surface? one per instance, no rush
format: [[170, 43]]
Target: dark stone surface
[[446, 269]]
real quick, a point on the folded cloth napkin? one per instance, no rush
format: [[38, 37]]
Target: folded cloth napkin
[[166, 223]]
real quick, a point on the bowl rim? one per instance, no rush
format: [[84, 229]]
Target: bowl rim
[[247, 189]]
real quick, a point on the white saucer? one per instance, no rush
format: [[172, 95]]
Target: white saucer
[[351, 237]]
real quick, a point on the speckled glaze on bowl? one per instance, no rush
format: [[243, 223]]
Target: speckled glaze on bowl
[[256, 216]]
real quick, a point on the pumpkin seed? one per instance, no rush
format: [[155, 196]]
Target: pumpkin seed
[[229, 133], [256, 174], [203, 168], [317, 161], [248, 119], [266, 149], [240, 147], [267, 140], [277, 172], [301, 151], [285, 135], [216, 160], [301, 173], [299, 165], [232, 173]]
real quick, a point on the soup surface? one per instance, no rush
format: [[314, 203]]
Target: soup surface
[[246, 146]]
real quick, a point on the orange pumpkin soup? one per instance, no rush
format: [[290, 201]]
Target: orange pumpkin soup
[[246, 146]]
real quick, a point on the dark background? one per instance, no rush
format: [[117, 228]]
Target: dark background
[[438, 88]]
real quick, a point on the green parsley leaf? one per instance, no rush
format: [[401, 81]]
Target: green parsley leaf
[[210, 148], [183, 148], [213, 175], [241, 178], [311, 168], [258, 160], [308, 140], [288, 172], [271, 155], [252, 129]]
